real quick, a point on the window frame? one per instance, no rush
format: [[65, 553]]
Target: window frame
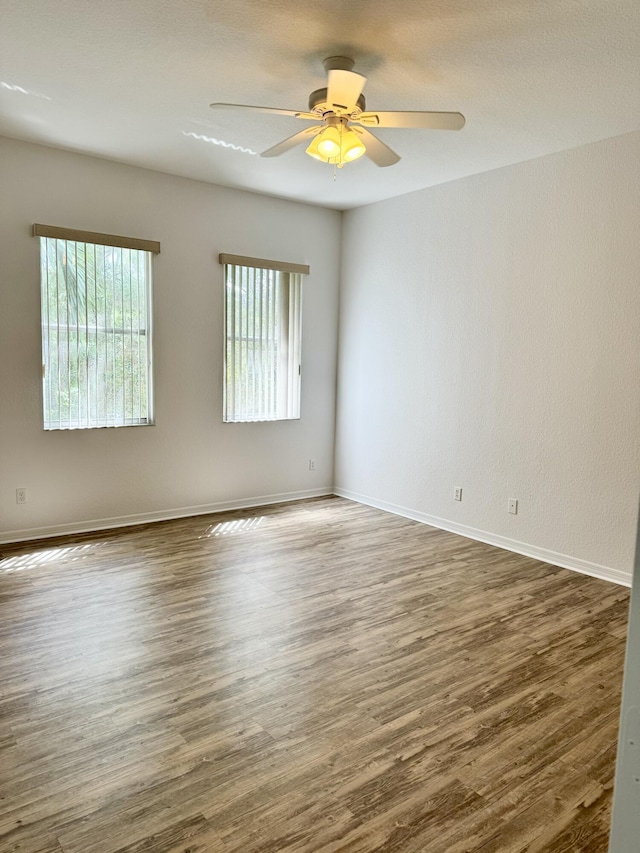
[[103, 330], [285, 369]]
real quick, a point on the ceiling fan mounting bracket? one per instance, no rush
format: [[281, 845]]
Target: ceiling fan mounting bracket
[[338, 63]]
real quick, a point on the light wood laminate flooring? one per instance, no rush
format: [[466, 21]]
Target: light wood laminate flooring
[[317, 676]]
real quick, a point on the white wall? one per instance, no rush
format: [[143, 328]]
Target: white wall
[[490, 339], [190, 459]]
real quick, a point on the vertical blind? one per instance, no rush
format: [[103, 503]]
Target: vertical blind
[[96, 341], [263, 318]]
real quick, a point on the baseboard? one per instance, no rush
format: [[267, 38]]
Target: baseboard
[[161, 515], [565, 561]]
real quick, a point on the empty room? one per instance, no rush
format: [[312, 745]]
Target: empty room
[[319, 426]]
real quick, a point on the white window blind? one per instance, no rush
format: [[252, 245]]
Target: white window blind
[[263, 324], [96, 332]]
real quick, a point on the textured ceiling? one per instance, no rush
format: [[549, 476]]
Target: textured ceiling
[[131, 80]]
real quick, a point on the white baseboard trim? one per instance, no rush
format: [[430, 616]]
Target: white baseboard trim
[[565, 561], [96, 524]]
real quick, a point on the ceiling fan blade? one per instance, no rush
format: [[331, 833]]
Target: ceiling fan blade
[[272, 110], [428, 120], [344, 89], [377, 151], [303, 136]]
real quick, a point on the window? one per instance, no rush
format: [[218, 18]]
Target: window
[[96, 329], [263, 320]]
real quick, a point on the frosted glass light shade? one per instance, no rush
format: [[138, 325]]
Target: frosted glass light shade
[[329, 142], [336, 146], [352, 146]]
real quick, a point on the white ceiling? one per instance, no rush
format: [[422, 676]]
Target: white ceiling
[[131, 80]]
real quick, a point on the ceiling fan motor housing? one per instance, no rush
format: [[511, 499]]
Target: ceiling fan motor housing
[[318, 103]]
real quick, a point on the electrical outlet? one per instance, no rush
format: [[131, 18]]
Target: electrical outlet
[[457, 493], [312, 464], [513, 506], [21, 496]]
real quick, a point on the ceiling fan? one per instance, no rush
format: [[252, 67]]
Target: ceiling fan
[[342, 134]]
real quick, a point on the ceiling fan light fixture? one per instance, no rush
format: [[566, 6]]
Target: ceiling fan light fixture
[[336, 145]]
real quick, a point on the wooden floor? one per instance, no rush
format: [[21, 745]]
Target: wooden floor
[[319, 676]]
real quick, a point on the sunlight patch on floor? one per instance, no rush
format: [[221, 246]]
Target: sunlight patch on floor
[[48, 556], [232, 528]]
